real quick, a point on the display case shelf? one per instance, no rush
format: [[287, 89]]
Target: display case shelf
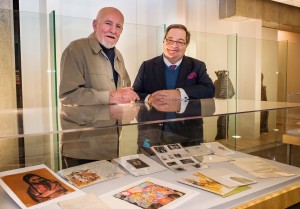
[[41, 121]]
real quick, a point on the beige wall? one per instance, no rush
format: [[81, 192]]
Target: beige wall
[[293, 61], [7, 75], [9, 151]]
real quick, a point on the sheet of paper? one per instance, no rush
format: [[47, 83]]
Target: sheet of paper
[[148, 193], [140, 164], [260, 168], [89, 201], [176, 158], [219, 149], [91, 173], [213, 158], [199, 150], [227, 177], [201, 181], [36, 187]]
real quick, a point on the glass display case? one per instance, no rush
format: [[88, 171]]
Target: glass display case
[[87, 133], [43, 132], [292, 135]]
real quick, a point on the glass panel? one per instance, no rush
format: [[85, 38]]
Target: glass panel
[[37, 149], [207, 47], [54, 85], [283, 70], [137, 42], [293, 63], [53, 61], [228, 123], [88, 135], [34, 59], [293, 116], [129, 113], [249, 137], [261, 69]]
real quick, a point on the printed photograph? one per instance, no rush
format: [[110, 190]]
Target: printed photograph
[[137, 163], [187, 161], [173, 146], [161, 149], [197, 165], [178, 155], [171, 163], [179, 169], [163, 157], [171, 156]]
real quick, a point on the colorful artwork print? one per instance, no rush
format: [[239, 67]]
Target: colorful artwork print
[[148, 195], [205, 183], [36, 186], [83, 177]]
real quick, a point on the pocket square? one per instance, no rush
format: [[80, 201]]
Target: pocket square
[[192, 75]]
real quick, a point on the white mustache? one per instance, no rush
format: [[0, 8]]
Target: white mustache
[[111, 36]]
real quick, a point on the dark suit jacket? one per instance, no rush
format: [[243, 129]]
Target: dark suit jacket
[[186, 132], [192, 77]]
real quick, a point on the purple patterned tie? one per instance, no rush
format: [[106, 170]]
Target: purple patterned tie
[[172, 67]]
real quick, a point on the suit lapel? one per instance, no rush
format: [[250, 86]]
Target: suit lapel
[[159, 73], [185, 69]]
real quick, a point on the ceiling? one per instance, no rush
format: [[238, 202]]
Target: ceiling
[[295, 3]]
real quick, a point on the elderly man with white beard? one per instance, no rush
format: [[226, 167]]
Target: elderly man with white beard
[[92, 69]]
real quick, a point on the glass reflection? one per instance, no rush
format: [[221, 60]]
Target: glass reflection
[[93, 132], [91, 144], [173, 128]]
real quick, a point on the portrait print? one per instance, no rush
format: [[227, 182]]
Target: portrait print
[[35, 187], [137, 163], [42, 189]]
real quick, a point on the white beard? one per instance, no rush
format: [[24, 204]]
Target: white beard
[[108, 45]]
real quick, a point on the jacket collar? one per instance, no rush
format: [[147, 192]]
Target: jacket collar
[[185, 68], [97, 48]]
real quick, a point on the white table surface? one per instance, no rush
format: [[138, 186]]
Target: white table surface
[[204, 199]]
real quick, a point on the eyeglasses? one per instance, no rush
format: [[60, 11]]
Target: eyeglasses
[[178, 43]]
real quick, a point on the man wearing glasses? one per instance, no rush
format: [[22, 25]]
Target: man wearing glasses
[[173, 75], [168, 82]]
